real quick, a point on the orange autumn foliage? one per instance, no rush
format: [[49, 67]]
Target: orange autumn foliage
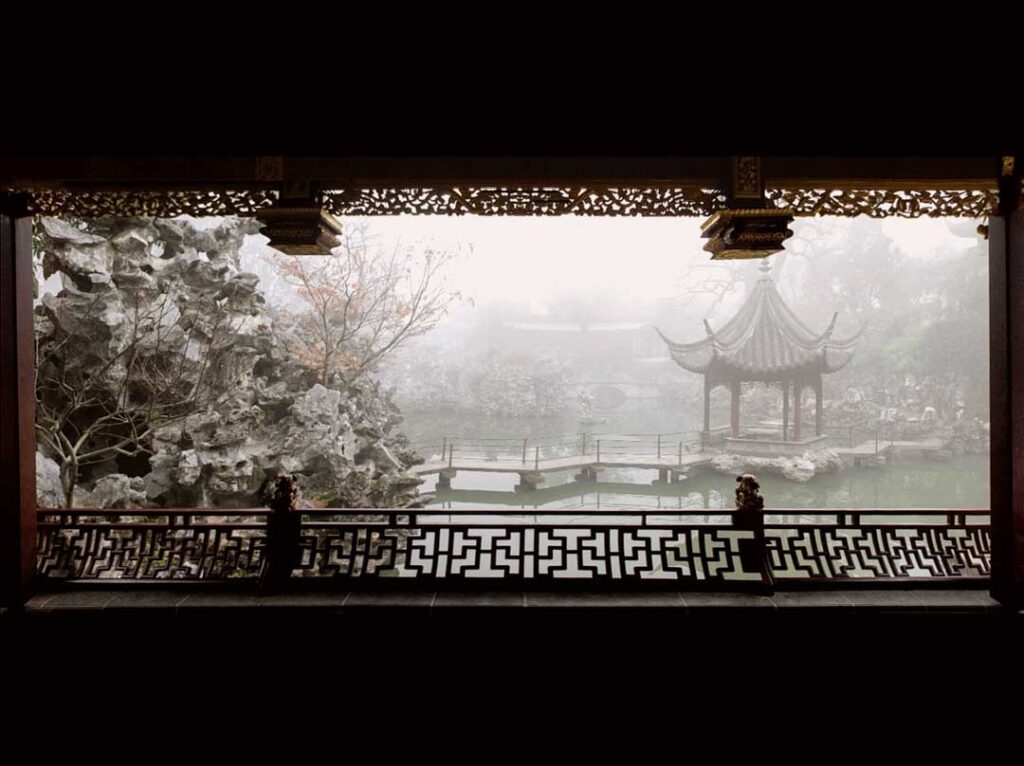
[[360, 304]]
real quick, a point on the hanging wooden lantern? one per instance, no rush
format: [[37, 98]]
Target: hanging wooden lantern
[[746, 233], [749, 227], [298, 225]]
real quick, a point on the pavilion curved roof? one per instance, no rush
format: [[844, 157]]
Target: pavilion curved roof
[[764, 338]]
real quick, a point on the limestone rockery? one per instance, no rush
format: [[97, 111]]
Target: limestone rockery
[[160, 382]]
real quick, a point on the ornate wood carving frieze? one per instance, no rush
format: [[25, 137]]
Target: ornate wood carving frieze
[[528, 201]]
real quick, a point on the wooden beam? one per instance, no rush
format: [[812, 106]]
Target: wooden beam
[[355, 172], [250, 172], [880, 172], [17, 405]]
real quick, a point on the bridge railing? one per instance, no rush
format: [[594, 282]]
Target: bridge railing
[[495, 548], [527, 450], [883, 434], [853, 435], [906, 430]]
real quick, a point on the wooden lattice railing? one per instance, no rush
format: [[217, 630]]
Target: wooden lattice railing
[[493, 548]]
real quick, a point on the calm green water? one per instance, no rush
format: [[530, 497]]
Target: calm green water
[[908, 483]]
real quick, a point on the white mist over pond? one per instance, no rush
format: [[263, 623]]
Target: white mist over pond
[[584, 295]]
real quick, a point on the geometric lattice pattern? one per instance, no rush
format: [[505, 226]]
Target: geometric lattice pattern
[[878, 552], [177, 548], [531, 553], [150, 552]]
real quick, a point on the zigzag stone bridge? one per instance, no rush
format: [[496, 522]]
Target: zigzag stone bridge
[[637, 454]]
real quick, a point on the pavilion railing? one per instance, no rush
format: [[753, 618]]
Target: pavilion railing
[[883, 434], [500, 548]]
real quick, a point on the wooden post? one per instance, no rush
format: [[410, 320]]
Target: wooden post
[[796, 412], [536, 457], [659, 446], [451, 453], [524, 450], [444, 447], [17, 404], [680, 454], [598, 451], [1006, 360]]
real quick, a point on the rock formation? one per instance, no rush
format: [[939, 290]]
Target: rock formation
[[141, 298], [796, 468]]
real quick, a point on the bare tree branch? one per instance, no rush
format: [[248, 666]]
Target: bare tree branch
[[360, 304]]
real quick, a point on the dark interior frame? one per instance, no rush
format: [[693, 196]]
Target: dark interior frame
[[19, 174]]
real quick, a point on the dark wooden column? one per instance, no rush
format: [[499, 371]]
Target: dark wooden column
[[796, 412], [785, 410], [734, 415], [17, 404], [817, 407], [1006, 339]]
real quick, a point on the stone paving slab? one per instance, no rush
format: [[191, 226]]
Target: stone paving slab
[[183, 602]]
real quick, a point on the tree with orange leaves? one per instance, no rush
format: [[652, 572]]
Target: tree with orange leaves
[[359, 304]]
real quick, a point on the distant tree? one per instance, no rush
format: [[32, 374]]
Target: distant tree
[[851, 267], [709, 286], [360, 304]]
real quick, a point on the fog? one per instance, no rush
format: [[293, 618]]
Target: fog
[[515, 356], [553, 336]]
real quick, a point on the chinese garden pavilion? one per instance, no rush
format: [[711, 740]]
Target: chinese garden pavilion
[[765, 341]]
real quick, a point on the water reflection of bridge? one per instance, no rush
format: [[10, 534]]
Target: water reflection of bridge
[[589, 494]]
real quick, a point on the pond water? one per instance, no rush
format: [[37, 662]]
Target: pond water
[[427, 430], [962, 482]]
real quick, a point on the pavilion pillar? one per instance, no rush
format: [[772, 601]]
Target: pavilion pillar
[[1006, 359], [734, 419], [17, 404], [817, 407], [707, 405], [785, 410], [796, 412]]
